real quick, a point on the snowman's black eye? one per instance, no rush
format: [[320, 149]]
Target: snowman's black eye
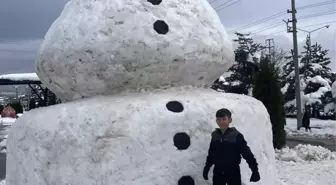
[[155, 2], [174, 106], [181, 141], [186, 180], [161, 27]]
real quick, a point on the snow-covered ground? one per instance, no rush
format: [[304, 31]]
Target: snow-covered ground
[[5, 124], [324, 129], [306, 165]]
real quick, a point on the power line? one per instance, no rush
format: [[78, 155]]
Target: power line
[[267, 27], [316, 5], [280, 14], [212, 1], [330, 22], [263, 36], [222, 4], [261, 21], [318, 15], [228, 5], [280, 23]]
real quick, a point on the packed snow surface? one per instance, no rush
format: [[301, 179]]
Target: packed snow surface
[[112, 46], [306, 165], [128, 139], [20, 77], [5, 124]]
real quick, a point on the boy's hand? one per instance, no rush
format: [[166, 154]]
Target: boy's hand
[[206, 172], [255, 177]]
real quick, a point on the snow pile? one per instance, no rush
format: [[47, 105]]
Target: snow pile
[[305, 153], [6, 125], [3, 182], [325, 129], [333, 89], [132, 137], [112, 46], [20, 77], [331, 106], [7, 121]]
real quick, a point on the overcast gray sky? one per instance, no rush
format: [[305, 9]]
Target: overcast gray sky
[[24, 24]]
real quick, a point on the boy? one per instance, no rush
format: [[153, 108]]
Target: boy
[[226, 148]]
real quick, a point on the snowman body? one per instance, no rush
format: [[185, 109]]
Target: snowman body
[[150, 138], [106, 51]]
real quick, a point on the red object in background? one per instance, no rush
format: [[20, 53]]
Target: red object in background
[[8, 112]]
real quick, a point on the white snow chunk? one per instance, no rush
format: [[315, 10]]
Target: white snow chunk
[[3, 182], [305, 153], [108, 47], [333, 89], [221, 79], [20, 77], [318, 79], [128, 139], [7, 121], [3, 143]]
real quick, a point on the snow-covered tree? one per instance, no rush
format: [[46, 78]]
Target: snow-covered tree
[[246, 64], [315, 78], [41, 96]]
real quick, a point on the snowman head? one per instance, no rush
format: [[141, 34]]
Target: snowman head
[[108, 47]]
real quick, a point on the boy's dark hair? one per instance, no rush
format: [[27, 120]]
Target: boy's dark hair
[[222, 113]]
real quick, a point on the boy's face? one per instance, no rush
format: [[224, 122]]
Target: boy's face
[[223, 122]]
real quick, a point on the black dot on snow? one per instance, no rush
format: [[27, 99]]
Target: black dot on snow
[[174, 106], [181, 141], [161, 27], [155, 2], [186, 180]]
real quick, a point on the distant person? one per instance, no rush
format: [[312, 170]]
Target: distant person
[[306, 119], [226, 148]]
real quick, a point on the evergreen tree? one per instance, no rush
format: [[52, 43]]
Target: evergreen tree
[[42, 96], [245, 66], [317, 76], [267, 90], [287, 82], [314, 72], [1, 108]]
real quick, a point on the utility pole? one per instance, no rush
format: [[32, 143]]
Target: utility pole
[[296, 64], [270, 48]]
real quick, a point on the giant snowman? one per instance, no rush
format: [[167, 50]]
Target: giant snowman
[[133, 76]]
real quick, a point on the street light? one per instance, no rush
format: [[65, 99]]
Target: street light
[[309, 33]]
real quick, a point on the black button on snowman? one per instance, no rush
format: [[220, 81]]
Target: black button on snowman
[[159, 26], [181, 140]]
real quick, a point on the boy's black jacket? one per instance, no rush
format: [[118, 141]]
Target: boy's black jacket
[[226, 150]]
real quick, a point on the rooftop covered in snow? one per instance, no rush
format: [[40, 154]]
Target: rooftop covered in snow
[[19, 79]]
